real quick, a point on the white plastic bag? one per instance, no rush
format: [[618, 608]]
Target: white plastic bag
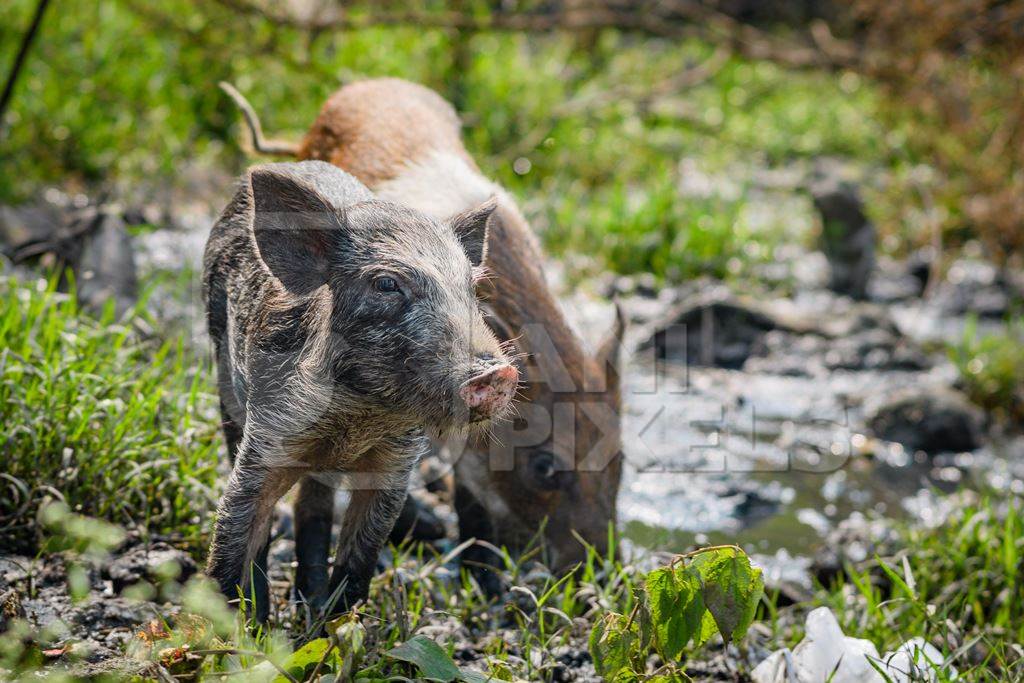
[[826, 654]]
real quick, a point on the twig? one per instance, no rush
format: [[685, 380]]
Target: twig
[[701, 551], [19, 59], [259, 143]]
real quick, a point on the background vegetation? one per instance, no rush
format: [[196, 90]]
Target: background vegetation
[[591, 126]]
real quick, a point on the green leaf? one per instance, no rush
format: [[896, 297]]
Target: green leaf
[[432, 661], [614, 644], [731, 589], [643, 617], [305, 659], [708, 628], [627, 676], [497, 671], [676, 607], [668, 678], [467, 676]]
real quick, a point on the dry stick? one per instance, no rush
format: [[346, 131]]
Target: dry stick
[[19, 59], [320, 664], [259, 143]]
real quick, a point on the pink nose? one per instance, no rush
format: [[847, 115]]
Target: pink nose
[[489, 393]]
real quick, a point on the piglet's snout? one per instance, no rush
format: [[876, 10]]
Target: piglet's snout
[[490, 392]]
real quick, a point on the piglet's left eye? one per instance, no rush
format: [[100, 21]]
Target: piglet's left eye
[[385, 284]]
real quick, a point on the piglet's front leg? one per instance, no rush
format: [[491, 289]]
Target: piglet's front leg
[[378, 494], [243, 525]]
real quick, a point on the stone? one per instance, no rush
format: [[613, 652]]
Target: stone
[[21, 226], [929, 419], [92, 240], [155, 564], [918, 660], [711, 328], [824, 654], [106, 266], [974, 287], [847, 236]]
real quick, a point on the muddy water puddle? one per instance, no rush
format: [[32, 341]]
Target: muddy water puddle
[[777, 454], [770, 462]]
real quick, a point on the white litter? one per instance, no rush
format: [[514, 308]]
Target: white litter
[[917, 660], [826, 654]]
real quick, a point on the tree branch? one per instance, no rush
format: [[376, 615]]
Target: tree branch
[[19, 59]]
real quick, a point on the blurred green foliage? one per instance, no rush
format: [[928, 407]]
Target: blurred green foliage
[[991, 368], [588, 136]]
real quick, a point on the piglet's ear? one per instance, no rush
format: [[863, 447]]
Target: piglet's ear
[[471, 229], [295, 228]]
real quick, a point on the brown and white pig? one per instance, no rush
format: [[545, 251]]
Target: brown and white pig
[[343, 327]]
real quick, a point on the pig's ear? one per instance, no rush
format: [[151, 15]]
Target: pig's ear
[[294, 226], [471, 229], [608, 355]]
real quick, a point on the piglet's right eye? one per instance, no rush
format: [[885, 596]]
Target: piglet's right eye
[[385, 284]]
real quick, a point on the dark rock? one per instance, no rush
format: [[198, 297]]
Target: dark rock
[[975, 288], [919, 267], [933, 420], [752, 505], [711, 328], [23, 225], [895, 281], [863, 337], [100, 613], [91, 240], [466, 653], [875, 350], [154, 564], [106, 266], [847, 236]]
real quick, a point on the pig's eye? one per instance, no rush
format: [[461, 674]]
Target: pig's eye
[[386, 284], [544, 470]]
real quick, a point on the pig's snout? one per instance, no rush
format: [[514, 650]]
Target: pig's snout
[[490, 392]]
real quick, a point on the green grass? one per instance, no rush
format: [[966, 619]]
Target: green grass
[[116, 426], [651, 228], [991, 368], [958, 585]]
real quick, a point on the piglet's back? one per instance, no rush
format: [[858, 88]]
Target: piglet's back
[[373, 128]]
